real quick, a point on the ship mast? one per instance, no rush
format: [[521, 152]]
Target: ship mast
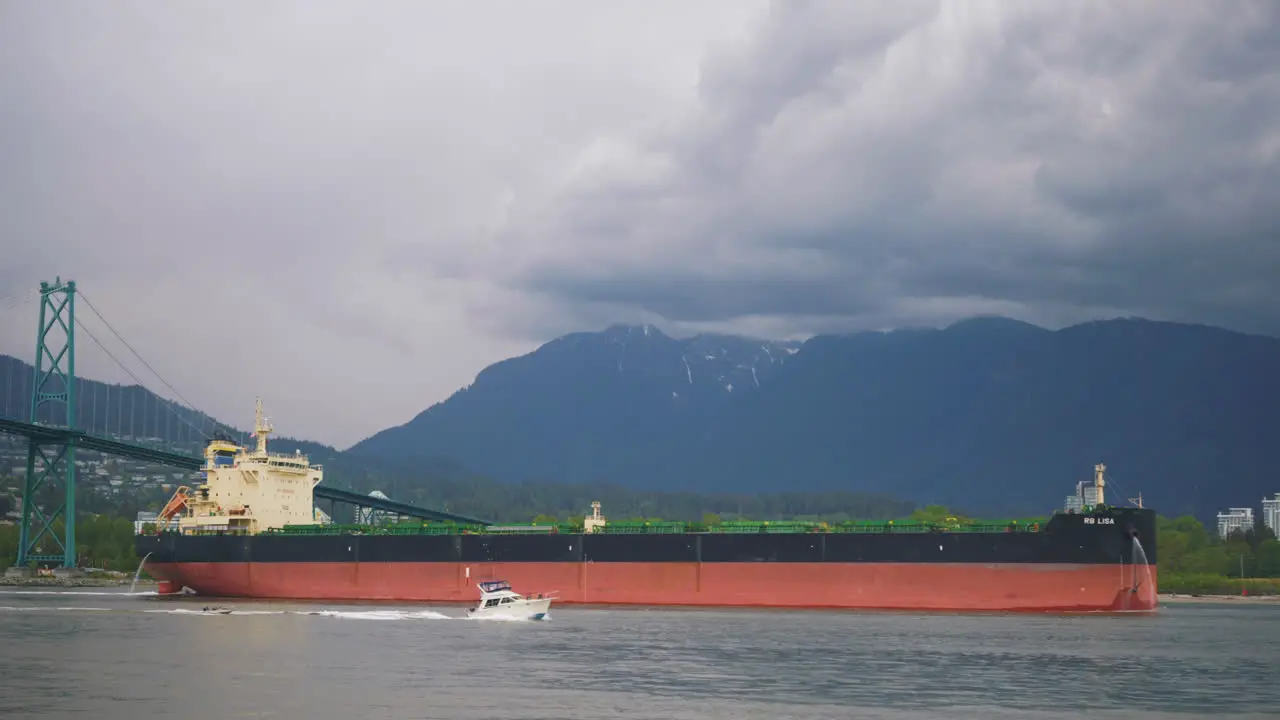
[[595, 520], [1099, 482], [261, 428]]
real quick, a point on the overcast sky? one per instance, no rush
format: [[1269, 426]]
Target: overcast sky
[[352, 208]]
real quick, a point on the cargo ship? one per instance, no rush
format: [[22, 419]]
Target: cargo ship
[[251, 529]]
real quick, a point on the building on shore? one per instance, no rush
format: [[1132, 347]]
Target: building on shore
[[1235, 519], [144, 518], [1086, 497], [1271, 513]]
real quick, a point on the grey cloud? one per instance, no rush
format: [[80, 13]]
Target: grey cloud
[[377, 201], [1052, 160], [242, 188]]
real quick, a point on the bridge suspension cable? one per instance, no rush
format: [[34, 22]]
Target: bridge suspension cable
[[141, 384], [16, 386], [184, 401], [141, 359]]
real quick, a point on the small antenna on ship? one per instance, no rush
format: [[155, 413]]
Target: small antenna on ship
[[1137, 501], [261, 427]]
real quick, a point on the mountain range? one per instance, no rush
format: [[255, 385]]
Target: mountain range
[[990, 415]]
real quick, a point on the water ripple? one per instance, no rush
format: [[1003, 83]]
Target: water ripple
[[128, 656]]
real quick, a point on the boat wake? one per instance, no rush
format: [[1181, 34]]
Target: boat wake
[[378, 614], [405, 615], [499, 618], [384, 615], [186, 611], [10, 608], [99, 593]]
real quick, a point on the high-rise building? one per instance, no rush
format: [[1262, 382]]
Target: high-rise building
[[1235, 519], [1271, 513], [1086, 496], [144, 518]]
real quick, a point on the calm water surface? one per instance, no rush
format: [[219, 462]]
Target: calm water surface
[[110, 656]]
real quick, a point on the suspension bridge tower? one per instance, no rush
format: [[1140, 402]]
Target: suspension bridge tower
[[51, 457]]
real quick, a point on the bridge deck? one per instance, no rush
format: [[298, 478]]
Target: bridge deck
[[391, 506], [47, 434]]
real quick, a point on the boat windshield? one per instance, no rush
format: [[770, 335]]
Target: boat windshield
[[495, 586]]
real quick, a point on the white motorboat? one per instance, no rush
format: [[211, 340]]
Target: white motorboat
[[498, 600]]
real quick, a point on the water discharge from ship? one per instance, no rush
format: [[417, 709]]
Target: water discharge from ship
[[1140, 564], [133, 586]]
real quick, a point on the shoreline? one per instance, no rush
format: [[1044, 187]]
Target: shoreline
[[87, 581], [1185, 599]]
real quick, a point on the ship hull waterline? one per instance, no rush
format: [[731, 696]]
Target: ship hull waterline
[[944, 587]]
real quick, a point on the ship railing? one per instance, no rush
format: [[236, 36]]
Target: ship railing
[[276, 455], [397, 529], [209, 531], [522, 529], [662, 528], [917, 527], [422, 530], [766, 526]]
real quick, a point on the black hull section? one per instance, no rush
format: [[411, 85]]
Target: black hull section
[[1067, 539]]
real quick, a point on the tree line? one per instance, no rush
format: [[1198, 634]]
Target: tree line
[[1193, 560], [102, 541], [441, 484]]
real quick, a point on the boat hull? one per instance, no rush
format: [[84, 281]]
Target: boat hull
[[522, 610], [1024, 587], [1074, 564]]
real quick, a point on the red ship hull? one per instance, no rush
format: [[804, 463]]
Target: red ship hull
[[1012, 587]]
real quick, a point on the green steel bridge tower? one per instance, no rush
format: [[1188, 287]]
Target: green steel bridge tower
[[53, 432], [51, 460]]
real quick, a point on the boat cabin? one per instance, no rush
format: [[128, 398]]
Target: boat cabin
[[497, 592], [497, 599]]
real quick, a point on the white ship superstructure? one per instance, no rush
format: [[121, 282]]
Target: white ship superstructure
[[247, 490]]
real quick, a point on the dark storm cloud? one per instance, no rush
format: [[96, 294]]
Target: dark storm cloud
[[290, 198], [924, 159]]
